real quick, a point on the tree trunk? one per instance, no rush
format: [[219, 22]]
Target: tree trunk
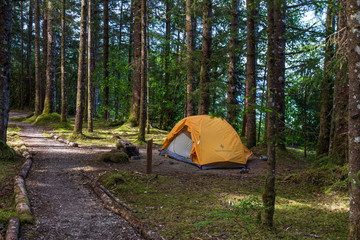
[[44, 60], [90, 66], [95, 40], [5, 64], [190, 42], [279, 65], [147, 77], [49, 94], [268, 196], [81, 72], [106, 60], [262, 103], [21, 85], [326, 86], [341, 92], [63, 72], [204, 98], [166, 111], [37, 59], [135, 99], [117, 100], [353, 9], [28, 92], [130, 46], [141, 136], [250, 94], [232, 92]]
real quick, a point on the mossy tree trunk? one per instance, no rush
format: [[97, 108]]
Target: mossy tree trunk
[[251, 10], [81, 72], [106, 60], [232, 92], [269, 189], [37, 59], [5, 64], [190, 44], [63, 71], [326, 86], [21, 84], [44, 57], [90, 67], [204, 93], [353, 9], [142, 123], [339, 141], [49, 94], [135, 99], [29, 84]]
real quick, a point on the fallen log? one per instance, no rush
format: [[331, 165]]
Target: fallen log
[[21, 199], [144, 230], [25, 168], [110, 194], [12, 231]]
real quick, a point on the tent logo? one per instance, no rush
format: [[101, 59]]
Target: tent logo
[[222, 149], [222, 146]]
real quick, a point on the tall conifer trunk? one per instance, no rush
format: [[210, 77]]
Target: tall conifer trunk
[[268, 196], [135, 99], [190, 42], [44, 57], [326, 86], [63, 71], [353, 9], [251, 74], [232, 92], [204, 98], [81, 72], [5, 64], [106, 60], [142, 123], [37, 59], [339, 144], [21, 85], [90, 67], [49, 94], [29, 85]]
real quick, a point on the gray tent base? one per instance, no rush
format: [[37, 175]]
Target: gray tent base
[[222, 165]]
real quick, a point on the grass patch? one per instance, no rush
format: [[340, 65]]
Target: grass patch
[[116, 157], [197, 207]]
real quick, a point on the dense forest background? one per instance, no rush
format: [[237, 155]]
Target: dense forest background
[[278, 71]]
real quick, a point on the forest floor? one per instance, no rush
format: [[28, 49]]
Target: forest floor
[[178, 200]]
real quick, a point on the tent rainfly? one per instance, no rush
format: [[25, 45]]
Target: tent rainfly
[[207, 142]]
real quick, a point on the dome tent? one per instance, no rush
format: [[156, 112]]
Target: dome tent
[[207, 142]]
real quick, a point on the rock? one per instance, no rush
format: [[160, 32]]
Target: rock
[[115, 157]]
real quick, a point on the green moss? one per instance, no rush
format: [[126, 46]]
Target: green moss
[[49, 120], [6, 153], [116, 157]]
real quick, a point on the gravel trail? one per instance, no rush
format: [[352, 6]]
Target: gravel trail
[[63, 206]]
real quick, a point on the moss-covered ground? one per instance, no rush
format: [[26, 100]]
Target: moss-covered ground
[[8, 169], [311, 202]]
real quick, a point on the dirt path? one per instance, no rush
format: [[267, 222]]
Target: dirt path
[[63, 206]]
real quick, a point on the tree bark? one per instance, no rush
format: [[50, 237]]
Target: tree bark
[[141, 136], [81, 72], [166, 111], [232, 92], [28, 92], [279, 65], [106, 60], [5, 64], [37, 59], [326, 86], [268, 196], [135, 99], [90, 67], [130, 46], [95, 40], [190, 42], [21, 85], [44, 58], [204, 98], [250, 95], [49, 94], [63, 71], [339, 143], [353, 52]]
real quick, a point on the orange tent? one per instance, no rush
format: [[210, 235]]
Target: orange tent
[[207, 142]]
